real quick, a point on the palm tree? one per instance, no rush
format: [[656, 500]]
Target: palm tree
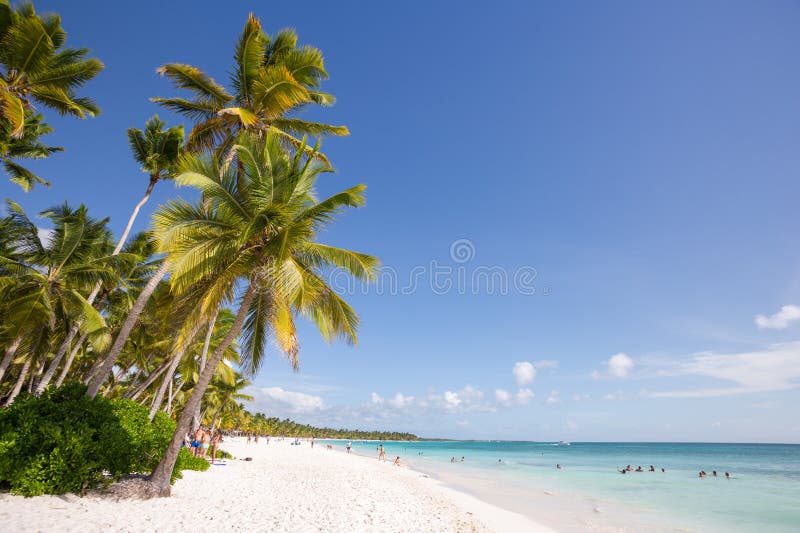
[[36, 67], [26, 146], [253, 234], [271, 78], [47, 277], [157, 150]]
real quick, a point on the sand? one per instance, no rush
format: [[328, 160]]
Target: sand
[[283, 488]]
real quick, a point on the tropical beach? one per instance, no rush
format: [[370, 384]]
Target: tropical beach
[[399, 267], [283, 487]]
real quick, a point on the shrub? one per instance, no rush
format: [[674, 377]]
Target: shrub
[[222, 454], [63, 441], [187, 461]]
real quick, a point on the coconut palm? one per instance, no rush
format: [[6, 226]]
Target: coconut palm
[[36, 67], [26, 146], [253, 235], [272, 77], [157, 150], [43, 292]]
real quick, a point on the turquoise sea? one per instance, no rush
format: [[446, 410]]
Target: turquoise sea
[[589, 492]]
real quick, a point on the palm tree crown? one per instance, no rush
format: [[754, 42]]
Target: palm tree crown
[[36, 67], [272, 78]]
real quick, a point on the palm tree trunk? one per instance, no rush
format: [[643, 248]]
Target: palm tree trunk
[[70, 359], [162, 473], [176, 359], [51, 369], [133, 394], [203, 359], [20, 381], [97, 286], [172, 396], [9, 356], [97, 380], [135, 213]]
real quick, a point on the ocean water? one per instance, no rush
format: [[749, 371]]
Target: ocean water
[[588, 491]]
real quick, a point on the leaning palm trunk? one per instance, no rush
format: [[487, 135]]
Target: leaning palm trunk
[[71, 359], [176, 359], [162, 473], [172, 395], [95, 291], [203, 359], [9, 356], [20, 382], [110, 359], [133, 394]]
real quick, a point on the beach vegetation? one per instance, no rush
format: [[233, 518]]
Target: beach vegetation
[[37, 69], [151, 334]]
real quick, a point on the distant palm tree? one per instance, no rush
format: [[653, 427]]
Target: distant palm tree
[[36, 67], [271, 78], [26, 146], [253, 233]]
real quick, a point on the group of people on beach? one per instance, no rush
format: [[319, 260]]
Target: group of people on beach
[[203, 442]]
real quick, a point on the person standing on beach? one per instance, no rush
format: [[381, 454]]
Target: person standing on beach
[[349, 444], [215, 445], [381, 453], [205, 444], [312, 441], [198, 441]]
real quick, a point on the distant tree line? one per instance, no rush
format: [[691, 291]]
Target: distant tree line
[[259, 424]]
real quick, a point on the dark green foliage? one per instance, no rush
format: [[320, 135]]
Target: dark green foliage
[[63, 441], [259, 423], [187, 461], [222, 454]]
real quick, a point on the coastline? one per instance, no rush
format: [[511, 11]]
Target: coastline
[[284, 487]]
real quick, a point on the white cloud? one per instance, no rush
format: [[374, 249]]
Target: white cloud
[[780, 320], [502, 397], [618, 366], [468, 399], [524, 396], [776, 368], [524, 373], [545, 363], [553, 398], [399, 401], [275, 401], [451, 399]]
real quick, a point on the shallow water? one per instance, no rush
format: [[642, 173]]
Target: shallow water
[[764, 491]]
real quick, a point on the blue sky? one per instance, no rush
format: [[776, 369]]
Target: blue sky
[[640, 158]]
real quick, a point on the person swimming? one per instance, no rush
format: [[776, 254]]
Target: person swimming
[[727, 475], [652, 468], [639, 469], [558, 466]]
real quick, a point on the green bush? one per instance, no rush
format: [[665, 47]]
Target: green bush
[[187, 461], [222, 454], [63, 441]]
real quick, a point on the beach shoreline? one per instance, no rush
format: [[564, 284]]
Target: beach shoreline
[[283, 487]]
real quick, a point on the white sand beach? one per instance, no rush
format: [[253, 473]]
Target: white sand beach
[[283, 488]]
